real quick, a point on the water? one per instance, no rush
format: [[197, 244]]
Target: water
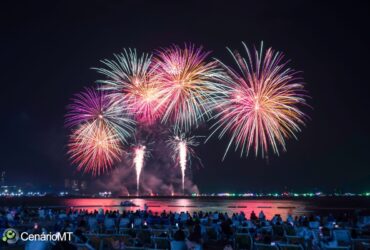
[[269, 206]]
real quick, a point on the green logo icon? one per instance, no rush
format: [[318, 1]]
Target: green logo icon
[[11, 236]]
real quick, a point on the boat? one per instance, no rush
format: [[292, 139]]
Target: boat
[[127, 204]]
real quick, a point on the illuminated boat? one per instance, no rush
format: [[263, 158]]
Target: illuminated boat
[[127, 204]]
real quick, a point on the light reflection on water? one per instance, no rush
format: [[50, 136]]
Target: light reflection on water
[[269, 207]]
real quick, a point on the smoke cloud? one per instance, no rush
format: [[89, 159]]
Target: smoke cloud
[[160, 174]]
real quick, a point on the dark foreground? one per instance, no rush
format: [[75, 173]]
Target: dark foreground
[[208, 224]]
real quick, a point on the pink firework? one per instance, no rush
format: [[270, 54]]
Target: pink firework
[[188, 85], [99, 128], [261, 105], [133, 84], [94, 107]]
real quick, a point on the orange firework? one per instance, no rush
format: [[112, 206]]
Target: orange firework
[[99, 128], [94, 147], [188, 85]]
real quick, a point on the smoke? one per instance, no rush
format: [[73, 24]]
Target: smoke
[[160, 175]]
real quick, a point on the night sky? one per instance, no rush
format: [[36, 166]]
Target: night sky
[[49, 47]]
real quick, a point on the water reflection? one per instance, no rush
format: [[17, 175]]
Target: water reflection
[[269, 207]]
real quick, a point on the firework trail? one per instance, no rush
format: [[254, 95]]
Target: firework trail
[[98, 129], [182, 155], [182, 147], [261, 108], [94, 148], [188, 85], [139, 157], [133, 84]]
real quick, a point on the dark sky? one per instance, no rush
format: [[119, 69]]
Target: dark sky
[[48, 47]]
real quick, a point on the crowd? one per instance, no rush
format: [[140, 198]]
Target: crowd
[[144, 229]]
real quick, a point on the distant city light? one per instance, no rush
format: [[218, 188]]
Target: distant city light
[[14, 191]]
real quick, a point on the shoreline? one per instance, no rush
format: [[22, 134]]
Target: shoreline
[[190, 197]]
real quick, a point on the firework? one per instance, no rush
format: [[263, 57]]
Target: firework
[[139, 157], [188, 85], [94, 147], [98, 129], [182, 147], [261, 107], [95, 107], [133, 84]]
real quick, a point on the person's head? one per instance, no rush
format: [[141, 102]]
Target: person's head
[[179, 235], [82, 224]]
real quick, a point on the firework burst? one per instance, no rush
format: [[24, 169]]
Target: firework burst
[[98, 129], [183, 148], [95, 107], [94, 147], [261, 108], [133, 84], [188, 85]]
